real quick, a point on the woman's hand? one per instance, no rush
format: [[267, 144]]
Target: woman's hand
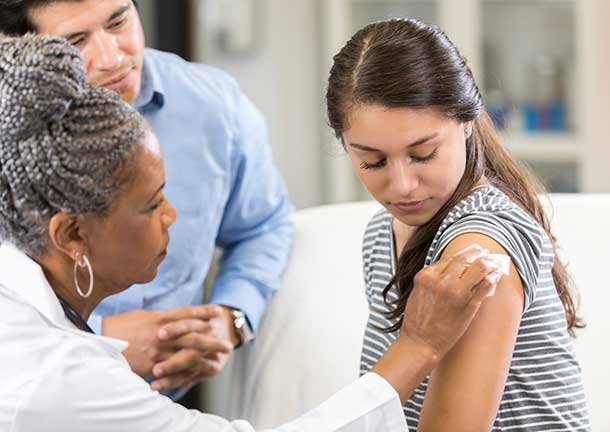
[[177, 346], [445, 298]]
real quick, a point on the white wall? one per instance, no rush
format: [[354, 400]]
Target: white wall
[[281, 75], [595, 103]]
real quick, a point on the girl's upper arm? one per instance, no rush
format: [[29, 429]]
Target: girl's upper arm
[[465, 389]]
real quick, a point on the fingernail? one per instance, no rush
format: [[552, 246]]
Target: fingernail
[[155, 386], [163, 334], [157, 371]]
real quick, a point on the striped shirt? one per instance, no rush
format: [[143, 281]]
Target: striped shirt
[[543, 390]]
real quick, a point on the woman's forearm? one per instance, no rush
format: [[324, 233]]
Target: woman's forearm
[[405, 365]]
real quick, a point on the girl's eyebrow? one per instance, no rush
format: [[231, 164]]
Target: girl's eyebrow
[[420, 141]]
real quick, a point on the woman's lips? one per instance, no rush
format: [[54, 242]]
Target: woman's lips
[[408, 206]]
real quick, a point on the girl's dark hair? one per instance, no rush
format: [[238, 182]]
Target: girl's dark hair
[[404, 63], [15, 18]]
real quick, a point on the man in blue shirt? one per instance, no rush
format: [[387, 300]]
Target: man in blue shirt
[[220, 178]]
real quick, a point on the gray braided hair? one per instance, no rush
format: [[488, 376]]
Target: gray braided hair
[[63, 143]]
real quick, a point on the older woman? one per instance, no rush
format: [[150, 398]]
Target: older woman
[[83, 216]]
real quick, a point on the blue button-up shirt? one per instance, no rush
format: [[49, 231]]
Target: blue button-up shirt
[[228, 194]]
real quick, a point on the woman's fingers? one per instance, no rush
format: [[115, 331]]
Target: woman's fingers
[[478, 270], [455, 266], [182, 361], [194, 348], [175, 375], [445, 298]]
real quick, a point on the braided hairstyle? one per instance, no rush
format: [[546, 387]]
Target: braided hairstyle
[[64, 145]]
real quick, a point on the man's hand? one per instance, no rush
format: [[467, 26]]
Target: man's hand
[[203, 350], [149, 345]]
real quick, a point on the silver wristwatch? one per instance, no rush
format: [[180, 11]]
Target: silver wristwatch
[[242, 327]]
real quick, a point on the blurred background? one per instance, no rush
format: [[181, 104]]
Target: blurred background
[[543, 66]]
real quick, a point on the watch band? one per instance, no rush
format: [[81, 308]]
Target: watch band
[[242, 327]]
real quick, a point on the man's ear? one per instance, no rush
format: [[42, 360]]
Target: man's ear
[[66, 234]]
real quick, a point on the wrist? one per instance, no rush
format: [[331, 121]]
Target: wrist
[[232, 332], [428, 356]]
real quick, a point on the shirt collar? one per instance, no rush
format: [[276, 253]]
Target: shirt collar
[[22, 275], [151, 88]]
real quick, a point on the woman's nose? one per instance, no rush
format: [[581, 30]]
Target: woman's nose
[[403, 178], [169, 216]]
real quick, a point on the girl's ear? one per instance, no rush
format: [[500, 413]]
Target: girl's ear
[[468, 128]]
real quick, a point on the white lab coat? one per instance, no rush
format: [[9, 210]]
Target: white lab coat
[[57, 378]]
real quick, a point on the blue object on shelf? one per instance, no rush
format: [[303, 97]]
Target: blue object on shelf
[[544, 117], [531, 121]]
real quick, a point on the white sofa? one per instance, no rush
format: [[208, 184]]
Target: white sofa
[[309, 343]]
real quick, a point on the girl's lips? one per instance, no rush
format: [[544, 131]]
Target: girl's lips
[[409, 205]]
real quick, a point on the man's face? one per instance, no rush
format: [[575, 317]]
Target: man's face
[[108, 34]]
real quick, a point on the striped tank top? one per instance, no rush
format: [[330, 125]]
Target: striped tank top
[[543, 390]]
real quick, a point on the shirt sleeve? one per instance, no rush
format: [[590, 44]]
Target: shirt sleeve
[[256, 231], [367, 405], [87, 390], [84, 389], [525, 242]]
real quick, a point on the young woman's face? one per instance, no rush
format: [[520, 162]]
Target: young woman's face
[[127, 246], [410, 160]]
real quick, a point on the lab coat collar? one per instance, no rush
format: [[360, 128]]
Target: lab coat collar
[[23, 276]]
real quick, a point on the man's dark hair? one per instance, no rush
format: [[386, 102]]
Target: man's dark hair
[[15, 19]]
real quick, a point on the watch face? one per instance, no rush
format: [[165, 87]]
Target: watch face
[[242, 327]]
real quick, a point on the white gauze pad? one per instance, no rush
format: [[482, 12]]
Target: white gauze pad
[[504, 261]]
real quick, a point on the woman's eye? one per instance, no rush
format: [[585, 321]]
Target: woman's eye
[[156, 205], [420, 159], [376, 165]]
